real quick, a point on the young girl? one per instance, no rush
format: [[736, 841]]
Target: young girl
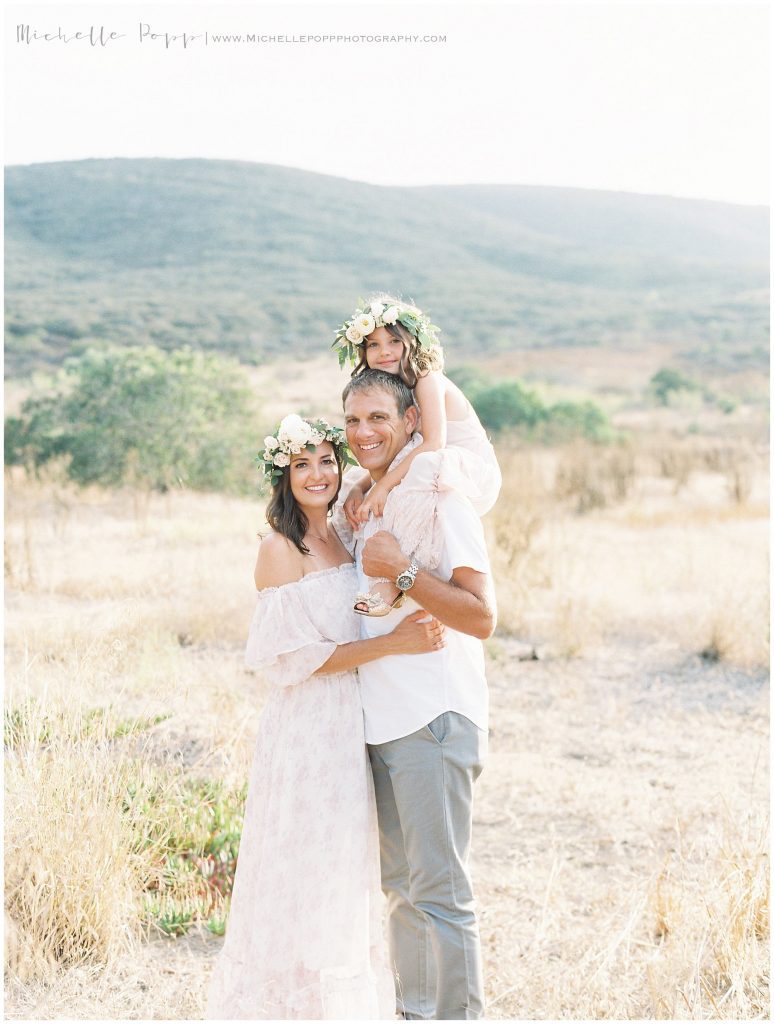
[[455, 453]]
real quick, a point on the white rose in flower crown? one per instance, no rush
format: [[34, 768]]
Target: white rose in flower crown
[[267, 455], [354, 335], [281, 459], [294, 430], [390, 315], [316, 437], [270, 443], [365, 323], [377, 308]]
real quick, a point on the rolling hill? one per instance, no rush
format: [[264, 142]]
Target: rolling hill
[[255, 260]]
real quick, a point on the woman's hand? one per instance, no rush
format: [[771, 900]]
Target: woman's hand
[[351, 505], [373, 503], [414, 636]]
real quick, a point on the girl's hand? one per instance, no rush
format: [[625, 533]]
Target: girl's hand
[[413, 636], [351, 505], [374, 502]]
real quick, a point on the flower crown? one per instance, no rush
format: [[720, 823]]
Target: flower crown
[[367, 318], [292, 436]]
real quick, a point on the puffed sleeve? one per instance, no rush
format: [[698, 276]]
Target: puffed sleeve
[[283, 642]]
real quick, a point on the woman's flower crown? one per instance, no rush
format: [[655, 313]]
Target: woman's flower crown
[[367, 318], [292, 436]]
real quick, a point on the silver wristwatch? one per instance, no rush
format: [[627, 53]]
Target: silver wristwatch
[[406, 579]]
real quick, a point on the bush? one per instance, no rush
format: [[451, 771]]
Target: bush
[[508, 405], [668, 381], [144, 417], [566, 420]]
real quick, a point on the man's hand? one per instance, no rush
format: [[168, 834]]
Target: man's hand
[[382, 556], [465, 603]]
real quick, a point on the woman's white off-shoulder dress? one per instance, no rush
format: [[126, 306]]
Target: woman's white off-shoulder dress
[[304, 936]]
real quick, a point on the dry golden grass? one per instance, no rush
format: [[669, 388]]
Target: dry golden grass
[[621, 827], [643, 560], [73, 880]]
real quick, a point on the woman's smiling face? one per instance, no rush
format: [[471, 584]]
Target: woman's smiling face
[[314, 476]]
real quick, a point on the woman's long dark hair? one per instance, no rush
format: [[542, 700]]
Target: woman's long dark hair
[[285, 515]]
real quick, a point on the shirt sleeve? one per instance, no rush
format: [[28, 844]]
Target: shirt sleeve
[[463, 533]]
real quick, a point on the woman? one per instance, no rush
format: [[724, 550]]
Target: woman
[[304, 937]]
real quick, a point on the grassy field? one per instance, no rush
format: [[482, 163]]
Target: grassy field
[[621, 836]]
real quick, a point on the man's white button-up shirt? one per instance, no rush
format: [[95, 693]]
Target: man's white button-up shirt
[[403, 692]]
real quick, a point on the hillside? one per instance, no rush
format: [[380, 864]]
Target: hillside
[[254, 260]]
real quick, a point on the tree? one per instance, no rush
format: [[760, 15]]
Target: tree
[[142, 416]]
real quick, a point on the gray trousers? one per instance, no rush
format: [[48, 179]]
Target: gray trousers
[[424, 798]]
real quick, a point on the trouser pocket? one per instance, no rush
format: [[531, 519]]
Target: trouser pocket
[[439, 726]]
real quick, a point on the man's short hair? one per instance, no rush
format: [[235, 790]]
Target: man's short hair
[[380, 380]]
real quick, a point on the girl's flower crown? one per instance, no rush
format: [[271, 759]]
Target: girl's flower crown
[[292, 436], [367, 318]]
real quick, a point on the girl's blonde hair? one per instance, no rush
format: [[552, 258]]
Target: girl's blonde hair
[[416, 361]]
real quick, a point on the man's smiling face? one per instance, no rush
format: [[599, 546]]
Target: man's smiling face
[[375, 430]]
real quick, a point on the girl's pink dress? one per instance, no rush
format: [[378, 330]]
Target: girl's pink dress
[[304, 935]]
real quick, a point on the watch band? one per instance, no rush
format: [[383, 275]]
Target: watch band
[[405, 580]]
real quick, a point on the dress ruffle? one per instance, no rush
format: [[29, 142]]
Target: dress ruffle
[[295, 628]]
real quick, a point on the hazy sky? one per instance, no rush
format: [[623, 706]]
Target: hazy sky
[[664, 98]]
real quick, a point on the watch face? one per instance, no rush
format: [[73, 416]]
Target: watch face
[[404, 581]]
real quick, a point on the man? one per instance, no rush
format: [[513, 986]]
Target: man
[[425, 722]]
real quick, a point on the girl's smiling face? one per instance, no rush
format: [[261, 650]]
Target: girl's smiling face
[[383, 351]]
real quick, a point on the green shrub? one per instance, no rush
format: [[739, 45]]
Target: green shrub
[[195, 827], [509, 405], [668, 381], [144, 417], [566, 420]]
